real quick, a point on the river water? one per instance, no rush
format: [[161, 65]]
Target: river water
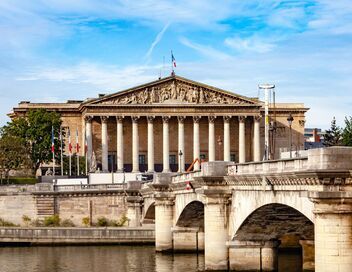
[[110, 259]]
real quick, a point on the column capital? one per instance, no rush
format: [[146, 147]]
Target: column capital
[[104, 119], [150, 118], [88, 118], [196, 119], [135, 119], [257, 118], [227, 118], [181, 119], [211, 118], [119, 118], [165, 119], [242, 118]]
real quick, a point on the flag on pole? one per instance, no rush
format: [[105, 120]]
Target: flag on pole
[[85, 144], [52, 140], [77, 144], [69, 142], [173, 60]]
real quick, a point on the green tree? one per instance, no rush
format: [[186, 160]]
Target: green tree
[[13, 154], [347, 132], [34, 131], [333, 136]]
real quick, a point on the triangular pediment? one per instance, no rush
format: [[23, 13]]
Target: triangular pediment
[[173, 90]]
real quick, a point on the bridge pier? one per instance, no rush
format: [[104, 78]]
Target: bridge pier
[[253, 255], [163, 223], [216, 232], [187, 239], [134, 211], [333, 231]]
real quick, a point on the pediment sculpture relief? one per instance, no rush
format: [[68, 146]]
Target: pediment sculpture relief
[[172, 93]]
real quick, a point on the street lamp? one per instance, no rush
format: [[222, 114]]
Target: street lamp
[[219, 144], [180, 161], [290, 120]]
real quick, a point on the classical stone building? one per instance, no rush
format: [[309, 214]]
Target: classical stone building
[[173, 121]]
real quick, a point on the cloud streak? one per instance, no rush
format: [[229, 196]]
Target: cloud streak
[[155, 42]]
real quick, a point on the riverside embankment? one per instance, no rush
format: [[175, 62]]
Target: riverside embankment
[[76, 236]]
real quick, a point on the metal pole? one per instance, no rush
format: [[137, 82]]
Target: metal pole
[[69, 162], [290, 138], [77, 164]]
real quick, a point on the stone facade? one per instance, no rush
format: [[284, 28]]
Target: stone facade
[[210, 117]]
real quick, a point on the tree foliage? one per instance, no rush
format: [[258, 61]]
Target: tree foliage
[[13, 154], [333, 135], [34, 132], [347, 132]]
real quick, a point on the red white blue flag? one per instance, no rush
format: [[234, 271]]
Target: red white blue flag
[[69, 142], [173, 60], [77, 144], [52, 140]]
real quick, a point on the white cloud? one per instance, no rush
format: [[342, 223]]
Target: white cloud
[[156, 41], [254, 43]]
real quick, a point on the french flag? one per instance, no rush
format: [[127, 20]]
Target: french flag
[[52, 140], [173, 59], [69, 142], [77, 144]]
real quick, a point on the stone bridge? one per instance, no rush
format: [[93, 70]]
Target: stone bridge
[[239, 214]]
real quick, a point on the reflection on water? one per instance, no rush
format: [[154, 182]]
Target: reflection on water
[[110, 259]]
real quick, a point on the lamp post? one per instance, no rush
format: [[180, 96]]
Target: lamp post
[[219, 144], [290, 120], [180, 161]]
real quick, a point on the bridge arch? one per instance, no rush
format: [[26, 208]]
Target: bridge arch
[[273, 221], [244, 203], [149, 213], [192, 216]]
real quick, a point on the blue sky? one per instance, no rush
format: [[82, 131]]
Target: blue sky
[[55, 50]]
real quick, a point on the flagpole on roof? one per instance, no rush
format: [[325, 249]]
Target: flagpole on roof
[[173, 64]]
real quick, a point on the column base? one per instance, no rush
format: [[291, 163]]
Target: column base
[[253, 255]]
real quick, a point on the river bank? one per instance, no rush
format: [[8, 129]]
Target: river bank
[[76, 236]]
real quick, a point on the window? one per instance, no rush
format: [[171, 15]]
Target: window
[[172, 159], [141, 159], [233, 157]]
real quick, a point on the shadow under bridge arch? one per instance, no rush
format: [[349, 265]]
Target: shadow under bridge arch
[[192, 216]]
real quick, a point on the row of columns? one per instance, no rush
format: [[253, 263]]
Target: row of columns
[[166, 145]]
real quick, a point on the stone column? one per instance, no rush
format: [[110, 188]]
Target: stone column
[[242, 139], [181, 143], [119, 143], [166, 155], [135, 144], [134, 211], [89, 138], [150, 120], [104, 143], [211, 139], [253, 255], [256, 138], [163, 223], [227, 138], [196, 147], [216, 232], [332, 231]]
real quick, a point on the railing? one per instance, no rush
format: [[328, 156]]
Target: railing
[[278, 166], [181, 177], [90, 187]]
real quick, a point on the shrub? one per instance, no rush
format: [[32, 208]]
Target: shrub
[[86, 221], [37, 223], [4, 223], [67, 223], [26, 220], [52, 221], [102, 222]]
